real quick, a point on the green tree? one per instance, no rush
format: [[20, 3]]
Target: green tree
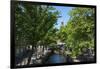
[[80, 29], [33, 22]]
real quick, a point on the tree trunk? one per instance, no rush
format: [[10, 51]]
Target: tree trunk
[[30, 52]]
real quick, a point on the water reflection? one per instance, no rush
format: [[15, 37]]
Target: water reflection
[[56, 58]]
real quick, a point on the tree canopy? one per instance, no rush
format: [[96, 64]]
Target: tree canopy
[[33, 22], [79, 31]]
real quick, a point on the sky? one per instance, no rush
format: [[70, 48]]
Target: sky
[[64, 15]]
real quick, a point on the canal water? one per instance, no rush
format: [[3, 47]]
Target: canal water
[[56, 58]]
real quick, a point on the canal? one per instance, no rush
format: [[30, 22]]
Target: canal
[[56, 58]]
